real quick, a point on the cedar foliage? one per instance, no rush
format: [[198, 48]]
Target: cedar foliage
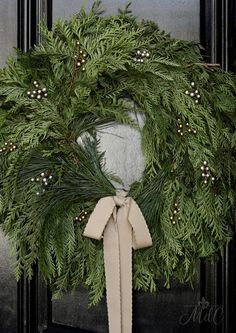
[[42, 228]]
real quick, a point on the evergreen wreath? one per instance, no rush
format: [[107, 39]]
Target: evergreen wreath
[[81, 78]]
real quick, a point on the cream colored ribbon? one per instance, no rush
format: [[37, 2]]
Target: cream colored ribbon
[[121, 223]]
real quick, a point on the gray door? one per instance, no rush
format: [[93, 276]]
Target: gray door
[[170, 309]]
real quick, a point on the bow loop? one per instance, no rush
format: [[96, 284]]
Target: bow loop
[[99, 218], [141, 234]]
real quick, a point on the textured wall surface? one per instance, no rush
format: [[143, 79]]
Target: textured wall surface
[[8, 37], [152, 314], [124, 156], [180, 17], [8, 24], [7, 290]]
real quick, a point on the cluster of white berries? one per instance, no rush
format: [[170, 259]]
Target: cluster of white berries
[[37, 92], [181, 127], [8, 147], [80, 58], [81, 216], [190, 130], [194, 93], [206, 174], [174, 218], [140, 56], [44, 179]]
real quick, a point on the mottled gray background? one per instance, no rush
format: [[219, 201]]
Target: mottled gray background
[[8, 26], [124, 157], [180, 17], [7, 290], [8, 38]]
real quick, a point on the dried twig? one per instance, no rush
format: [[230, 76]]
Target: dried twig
[[206, 65]]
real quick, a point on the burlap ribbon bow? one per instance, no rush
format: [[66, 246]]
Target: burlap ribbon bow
[[121, 223]]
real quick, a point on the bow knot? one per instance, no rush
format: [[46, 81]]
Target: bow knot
[[121, 200]]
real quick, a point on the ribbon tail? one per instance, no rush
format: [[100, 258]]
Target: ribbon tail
[[125, 243], [112, 270]]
